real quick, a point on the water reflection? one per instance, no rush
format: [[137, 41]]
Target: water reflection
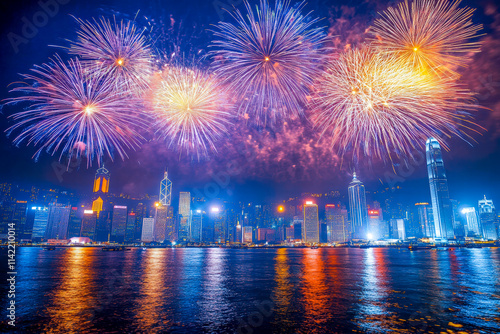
[[150, 315], [71, 305], [314, 291], [282, 294]]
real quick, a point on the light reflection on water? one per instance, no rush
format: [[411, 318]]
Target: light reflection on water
[[216, 290]]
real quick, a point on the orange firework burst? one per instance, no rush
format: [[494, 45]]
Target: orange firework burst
[[372, 104], [190, 109], [433, 35]]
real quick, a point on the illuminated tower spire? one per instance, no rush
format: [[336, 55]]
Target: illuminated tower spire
[[101, 187], [357, 207], [165, 190]]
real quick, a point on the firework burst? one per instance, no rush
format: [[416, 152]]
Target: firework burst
[[269, 59], [76, 113], [190, 108], [433, 35], [120, 50], [373, 105]]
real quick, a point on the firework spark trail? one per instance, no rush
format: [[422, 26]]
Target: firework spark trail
[[432, 35], [269, 59], [118, 49], [75, 112], [375, 105], [190, 108]]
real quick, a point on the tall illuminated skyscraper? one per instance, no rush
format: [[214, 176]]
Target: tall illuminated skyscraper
[[101, 188], [311, 223], [441, 204], [165, 190], [357, 208], [184, 213]]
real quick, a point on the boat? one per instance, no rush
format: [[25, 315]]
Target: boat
[[314, 247], [49, 248], [474, 245]]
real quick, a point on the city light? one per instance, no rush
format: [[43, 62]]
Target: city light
[[369, 236], [281, 208], [214, 209], [309, 203]]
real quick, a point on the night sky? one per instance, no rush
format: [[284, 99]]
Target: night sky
[[263, 164]]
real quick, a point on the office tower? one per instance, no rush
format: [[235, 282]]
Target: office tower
[[118, 223], [441, 204], [357, 208], [101, 188], [298, 222], [290, 233], [57, 225], [266, 234], [231, 221], [458, 226], [238, 234], [103, 226], [397, 229], [161, 216], [216, 217], [247, 232], [6, 212], [75, 222], [323, 233], [184, 219], [165, 190], [487, 217], [41, 219], [472, 222], [140, 214], [130, 228], [424, 219], [170, 225], [374, 224], [19, 218], [338, 225], [197, 222], [147, 229], [311, 228], [89, 222]]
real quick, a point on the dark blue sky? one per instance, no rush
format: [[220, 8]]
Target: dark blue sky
[[472, 171]]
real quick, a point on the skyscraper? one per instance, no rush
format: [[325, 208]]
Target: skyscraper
[[425, 219], [57, 225], [89, 222], [40, 222], [184, 211], [472, 222], [101, 188], [311, 229], [337, 223], [119, 223], [161, 216], [357, 208], [487, 218], [165, 190], [147, 229], [441, 204]]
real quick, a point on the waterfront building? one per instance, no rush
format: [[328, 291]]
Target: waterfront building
[[441, 204], [357, 208], [184, 215], [89, 224], [100, 190], [487, 217], [337, 223], [311, 230], [147, 229], [472, 222]]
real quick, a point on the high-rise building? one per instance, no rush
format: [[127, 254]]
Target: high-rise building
[[472, 222], [184, 218], [311, 230], [161, 216], [357, 208], [247, 232], [147, 229], [119, 223], [41, 219], [89, 222], [424, 219], [170, 225], [100, 190], [487, 217], [374, 224], [130, 228], [337, 223], [165, 190], [57, 225], [19, 218], [216, 216], [197, 222], [75, 222], [441, 204]]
